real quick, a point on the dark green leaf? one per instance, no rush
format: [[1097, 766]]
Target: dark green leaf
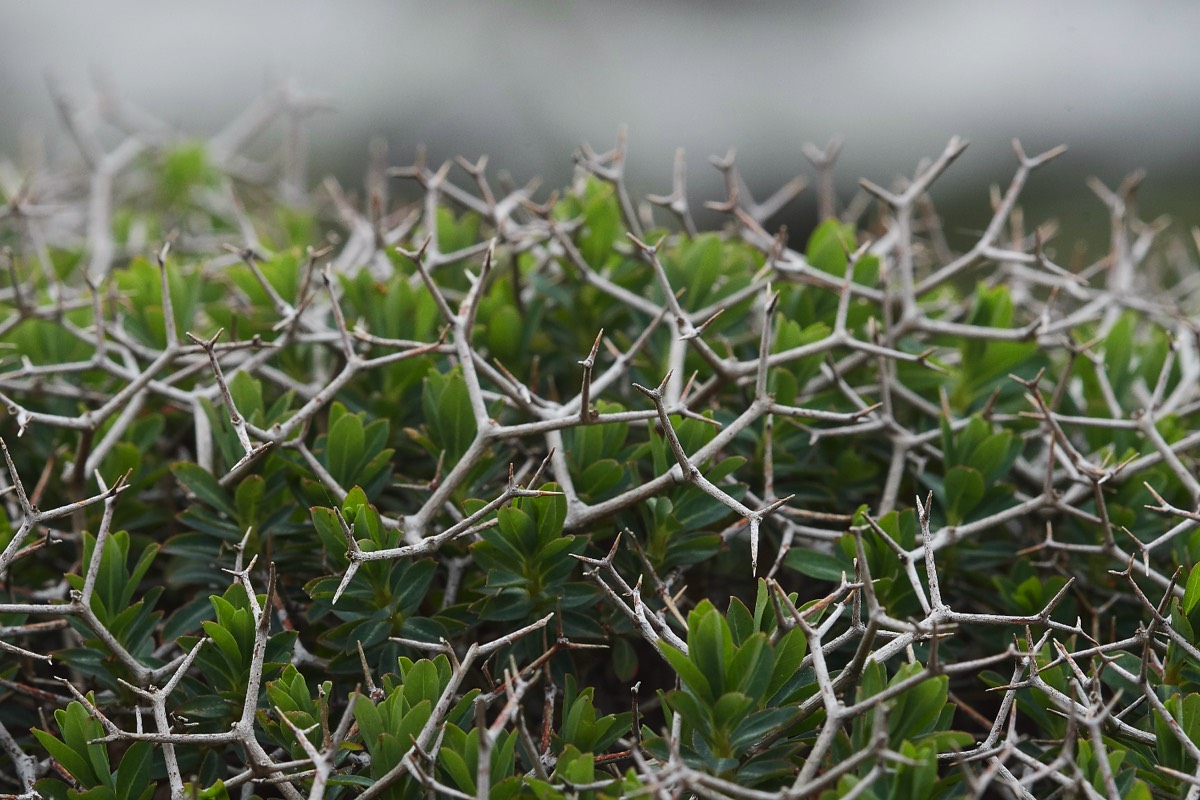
[[201, 483], [964, 490]]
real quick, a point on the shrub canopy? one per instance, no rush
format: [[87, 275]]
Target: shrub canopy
[[492, 496]]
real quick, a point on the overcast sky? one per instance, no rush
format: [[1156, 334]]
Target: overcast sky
[[526, 81]]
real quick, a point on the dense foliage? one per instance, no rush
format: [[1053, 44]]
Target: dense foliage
[[487, 497]]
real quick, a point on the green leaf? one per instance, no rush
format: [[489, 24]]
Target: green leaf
[[225, 640], [133, 776], [1191, 595], [247, 394], [762, 599], [183, 167], [689, 674], [1189, 717], [829, 245], [411, 726], [1138, 790], [751, 668], [85, 761], [916, 710], [575, 767], [361, 781], [708, 645], [1180, 621], [332, 537], [915, 779], [789, 653], [784, 386], [798, 372], [249, 499], [519, 531], [208, 706], [731, 709], [599, 477], [370, 722], [503, 758], [964, 489], [504, 333], [344, 449], [969, 437], [1118, 352], [201, 483], [815, 564], [421, 683], [702, 265], [602, 221], [215, 792], [741, 624], [456, 767], [447, 408], [994, 455], [550, 513], [695, 713], [76, 764], [758, 725]]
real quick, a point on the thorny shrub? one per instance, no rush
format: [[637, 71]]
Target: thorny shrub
[[489, 497]]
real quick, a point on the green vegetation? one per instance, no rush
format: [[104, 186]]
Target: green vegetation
[[492, 497]]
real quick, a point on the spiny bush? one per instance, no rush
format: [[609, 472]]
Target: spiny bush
[[489, 497]]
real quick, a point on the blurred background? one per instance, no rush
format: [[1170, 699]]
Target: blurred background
[[527, 80]]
